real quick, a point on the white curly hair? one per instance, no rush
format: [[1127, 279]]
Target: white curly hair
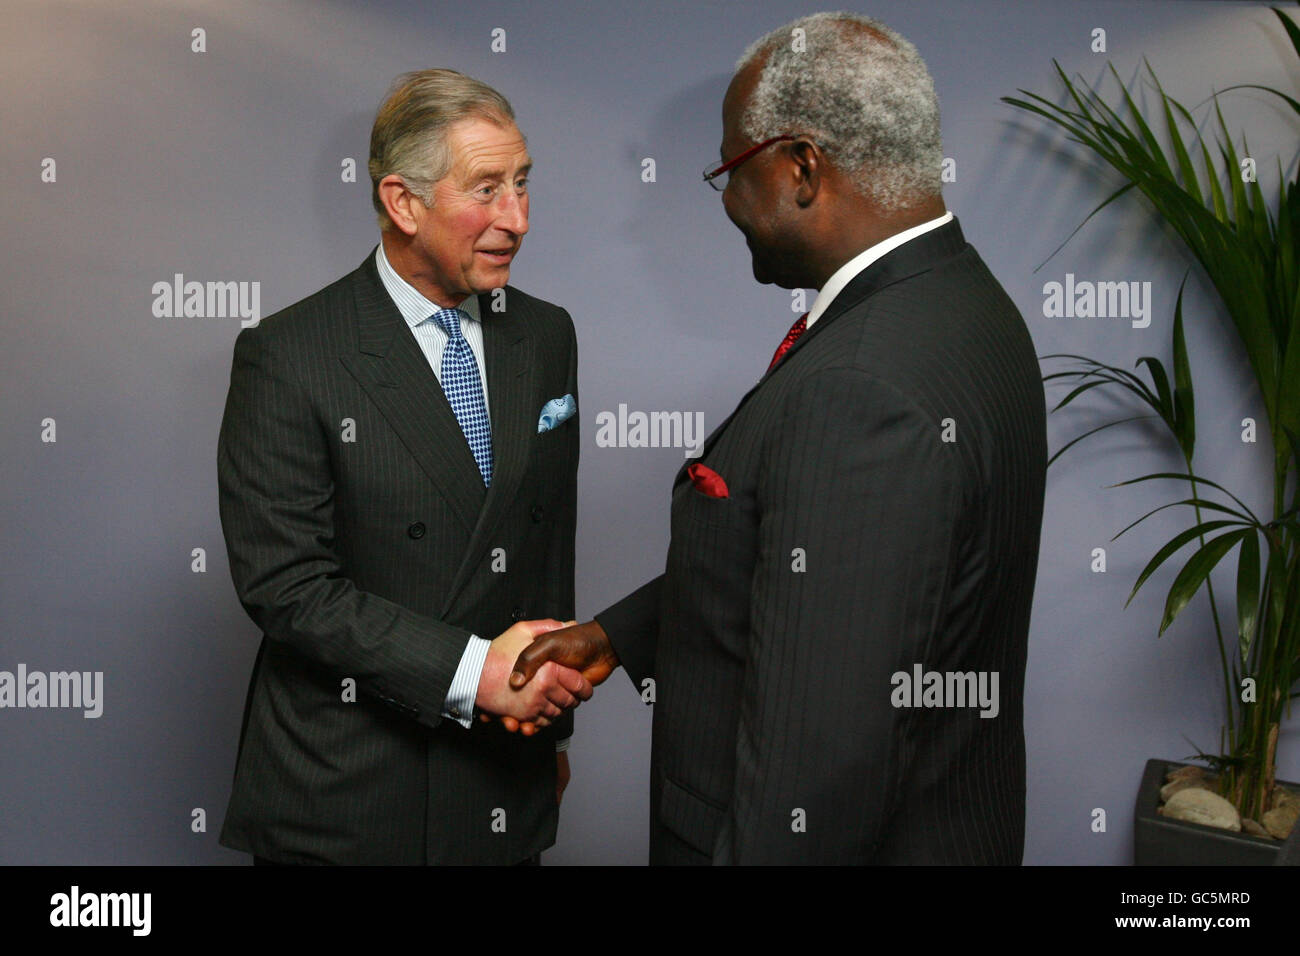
[[862, 92]]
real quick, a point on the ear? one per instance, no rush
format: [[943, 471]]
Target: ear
[[809, 170], [400, 203]]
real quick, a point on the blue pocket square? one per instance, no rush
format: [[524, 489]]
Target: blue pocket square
[[556, 411]]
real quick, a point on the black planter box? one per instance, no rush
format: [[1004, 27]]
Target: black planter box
[[1160, 841]]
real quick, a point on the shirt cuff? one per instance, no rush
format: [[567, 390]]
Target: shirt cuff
[[459, 705], [562, 745]]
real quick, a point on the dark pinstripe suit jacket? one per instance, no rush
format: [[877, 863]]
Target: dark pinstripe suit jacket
[[854, 544], [362, 543]]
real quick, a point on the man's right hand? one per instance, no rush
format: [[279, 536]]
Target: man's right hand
[[585, 647], [580, 646], [556, 688]]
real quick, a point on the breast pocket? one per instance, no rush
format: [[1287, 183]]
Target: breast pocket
[[734, 516], [557, 432], [711, 562], [551, 455]]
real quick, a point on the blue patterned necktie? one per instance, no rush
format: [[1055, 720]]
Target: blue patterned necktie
[[464, 388]]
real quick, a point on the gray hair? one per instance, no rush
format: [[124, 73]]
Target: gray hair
[[862, 92], [409, 137]]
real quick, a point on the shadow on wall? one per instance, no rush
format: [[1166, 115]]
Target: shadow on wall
[[345, 220], [678, 226], [680, 231]]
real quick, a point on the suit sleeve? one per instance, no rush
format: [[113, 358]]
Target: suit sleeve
[[560, 560], [632, 626], [276, 494], [858, 498]]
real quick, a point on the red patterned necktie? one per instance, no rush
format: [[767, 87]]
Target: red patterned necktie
[[791, 337]]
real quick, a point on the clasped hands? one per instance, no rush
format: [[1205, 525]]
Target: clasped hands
[[537, 670]]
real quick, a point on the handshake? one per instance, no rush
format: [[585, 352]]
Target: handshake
[[537, 670]]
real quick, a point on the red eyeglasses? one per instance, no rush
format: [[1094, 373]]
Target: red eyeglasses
[[712, 173]]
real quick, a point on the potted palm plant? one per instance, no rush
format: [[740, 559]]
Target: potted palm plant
[[1249, 250]]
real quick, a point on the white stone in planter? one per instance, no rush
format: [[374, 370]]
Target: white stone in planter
[[1280, 821], [1186, 783], [1283, 797], [1184, 772], [1255, 829], [1203, 807]]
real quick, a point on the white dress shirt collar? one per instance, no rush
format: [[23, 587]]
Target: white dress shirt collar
[[847, 272], [412, 303]]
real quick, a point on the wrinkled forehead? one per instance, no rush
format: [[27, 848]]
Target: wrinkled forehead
[[482, 148]]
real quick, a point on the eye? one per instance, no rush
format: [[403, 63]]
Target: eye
[[486, 191], [521, 183]]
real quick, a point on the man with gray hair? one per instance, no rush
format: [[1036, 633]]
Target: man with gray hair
[[837, 644], [398, 481]]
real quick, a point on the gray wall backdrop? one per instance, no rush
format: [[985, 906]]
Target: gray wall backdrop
[[226, 165]]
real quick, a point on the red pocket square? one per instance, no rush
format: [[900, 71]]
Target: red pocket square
[[707, 481]]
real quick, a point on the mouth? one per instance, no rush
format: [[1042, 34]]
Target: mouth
[[500, 257]]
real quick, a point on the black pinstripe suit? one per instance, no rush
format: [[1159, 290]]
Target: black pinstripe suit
[[773, 684], [370, 556]]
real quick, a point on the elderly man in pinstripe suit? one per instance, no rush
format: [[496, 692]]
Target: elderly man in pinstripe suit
[[870, 511], [396, 488]]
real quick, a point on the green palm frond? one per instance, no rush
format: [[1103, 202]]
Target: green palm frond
[[1208, 192]]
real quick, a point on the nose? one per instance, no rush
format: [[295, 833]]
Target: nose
[[513, 213]]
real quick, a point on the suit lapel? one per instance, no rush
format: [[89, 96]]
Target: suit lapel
[[389, 365], [510, 377], [717, 433], [911, 258]]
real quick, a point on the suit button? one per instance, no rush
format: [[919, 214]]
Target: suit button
[[537, 514], [517, 614], [416, 530]]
